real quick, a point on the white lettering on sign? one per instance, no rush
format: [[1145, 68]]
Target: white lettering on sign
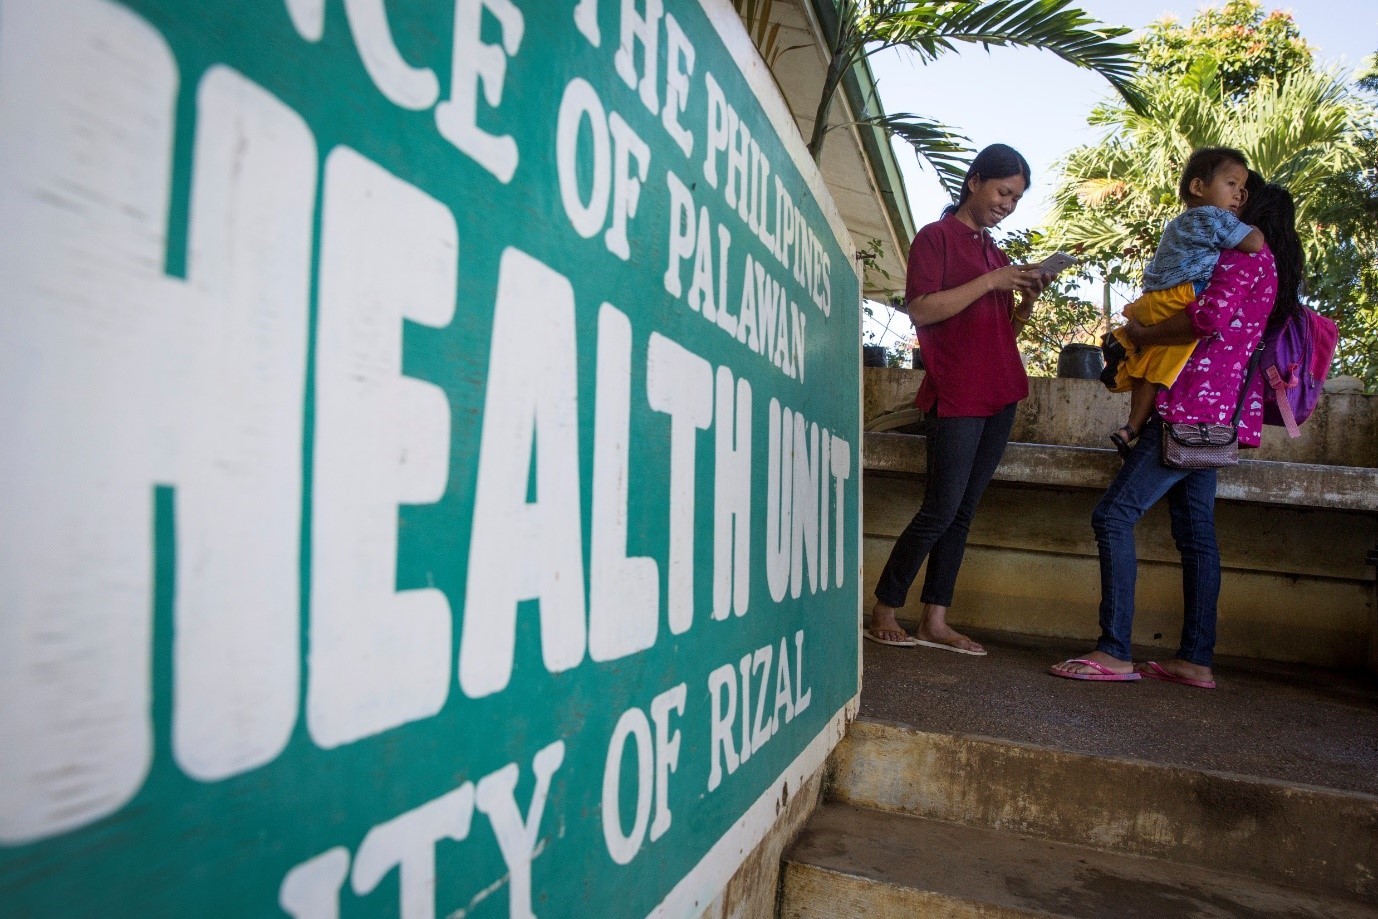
[[626, 184], [586, 21], [622, 847], [497, 799], [746, 182], [308, 18], [403, 85], [235, 648], [655, 760], [646, 31], [680, 384], [617, 177], [732, 497], [524, 550], [379, 657], [773, 712], [624, 592], [311, 890], [407, 843], [474, 62], [108, 367], [768, 322], [579, 105], [679, 65], [802, 482], [841, 465]]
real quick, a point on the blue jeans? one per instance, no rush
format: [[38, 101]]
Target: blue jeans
[[1191, 502], [962, 456]]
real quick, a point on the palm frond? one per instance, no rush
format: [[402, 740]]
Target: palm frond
[[930, 28], [945, 151]]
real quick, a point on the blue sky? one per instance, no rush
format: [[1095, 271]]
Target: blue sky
[[1038, 103]]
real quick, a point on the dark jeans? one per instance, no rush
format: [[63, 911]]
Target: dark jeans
[[1191, 502], [962, 456]]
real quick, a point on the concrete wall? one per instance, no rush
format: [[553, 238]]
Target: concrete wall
[[1082, 413], [754, 890], [1296, 587]]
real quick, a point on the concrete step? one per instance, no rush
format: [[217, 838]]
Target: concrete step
[[852, 862], [1319, 839]]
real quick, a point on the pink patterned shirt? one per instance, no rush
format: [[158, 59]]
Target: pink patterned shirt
[[1229, 318]]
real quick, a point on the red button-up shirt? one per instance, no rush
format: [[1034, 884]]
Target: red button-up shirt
[[973, 362]]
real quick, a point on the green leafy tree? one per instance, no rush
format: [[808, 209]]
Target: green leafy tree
[[1299, 126], [1063, 314], [1248, 44], [1368, 80], [928, 29]]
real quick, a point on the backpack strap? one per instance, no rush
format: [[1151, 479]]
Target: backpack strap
[[1244, 388], [1284, 404]]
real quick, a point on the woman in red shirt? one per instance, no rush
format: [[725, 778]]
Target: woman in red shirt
[[960, 295]]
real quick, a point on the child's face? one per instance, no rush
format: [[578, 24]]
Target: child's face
[[1224, 190]]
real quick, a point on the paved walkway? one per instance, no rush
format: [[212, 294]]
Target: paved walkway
[[1278, 721]]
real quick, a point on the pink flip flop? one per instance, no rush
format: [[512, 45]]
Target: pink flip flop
[[1156, 671], [1103, 673]]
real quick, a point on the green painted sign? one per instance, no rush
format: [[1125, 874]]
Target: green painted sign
[[430, 467]]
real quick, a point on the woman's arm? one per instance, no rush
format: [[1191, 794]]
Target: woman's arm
[[1175, 330], [927, 309], [1023, 312], [1210, 312]]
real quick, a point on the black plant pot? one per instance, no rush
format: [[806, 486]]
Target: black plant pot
[[1080, 362], [873, 355]]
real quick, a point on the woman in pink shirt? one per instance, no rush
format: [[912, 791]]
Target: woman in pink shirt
[[1247, 293], [960, 294]]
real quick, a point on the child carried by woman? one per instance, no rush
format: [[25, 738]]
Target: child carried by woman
[[1213, 188]]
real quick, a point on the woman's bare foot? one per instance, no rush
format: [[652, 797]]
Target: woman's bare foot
[[1176, 670], [884, 626], [1113, 664], [934, 630], [949, 637]]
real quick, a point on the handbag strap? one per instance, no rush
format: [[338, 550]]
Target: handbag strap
[[1248, 376]]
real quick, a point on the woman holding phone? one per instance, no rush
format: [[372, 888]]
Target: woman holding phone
[[968, 304]]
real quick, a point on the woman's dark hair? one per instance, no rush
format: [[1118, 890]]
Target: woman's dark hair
[[1271, 209], [1203, 164], [998, 161]]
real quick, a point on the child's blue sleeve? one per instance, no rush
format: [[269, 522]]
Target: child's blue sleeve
[[1215, 227]]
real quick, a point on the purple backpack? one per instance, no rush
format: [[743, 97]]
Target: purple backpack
[[1296, 361]]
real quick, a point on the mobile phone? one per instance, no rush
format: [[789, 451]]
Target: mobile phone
[[1057, 262]]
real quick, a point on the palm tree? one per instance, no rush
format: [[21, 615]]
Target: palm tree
[[930, 28], [1115, 196]]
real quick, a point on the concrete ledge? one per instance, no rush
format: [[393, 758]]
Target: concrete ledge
[[1341, 488], [856, 862], [1311, 838]]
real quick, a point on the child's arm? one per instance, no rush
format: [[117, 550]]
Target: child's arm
[[1251, 243]]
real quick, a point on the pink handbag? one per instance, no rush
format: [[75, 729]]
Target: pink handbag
[[1196, 445]]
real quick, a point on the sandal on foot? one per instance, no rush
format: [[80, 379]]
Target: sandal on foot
[[1125, 445], [975, 650], [1156, 671], [908, 641], [1103, 674]]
